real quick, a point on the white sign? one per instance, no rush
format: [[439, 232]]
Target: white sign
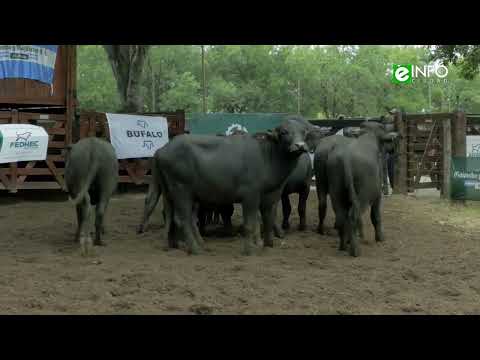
[[473, 146], [136, 136], [22, 142]]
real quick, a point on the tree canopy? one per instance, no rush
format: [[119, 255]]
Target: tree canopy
[[320, 81]]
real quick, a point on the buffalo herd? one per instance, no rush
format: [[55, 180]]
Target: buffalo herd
[[201, 177]]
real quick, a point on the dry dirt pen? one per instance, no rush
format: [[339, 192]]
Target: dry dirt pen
[[425, 266]]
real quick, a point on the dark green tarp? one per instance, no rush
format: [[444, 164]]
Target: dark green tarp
[[215, 123], [465, 178]]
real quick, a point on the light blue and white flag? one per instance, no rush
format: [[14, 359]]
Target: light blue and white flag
[[35, 62]]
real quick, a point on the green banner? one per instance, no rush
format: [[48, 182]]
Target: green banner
[[224, 123], [465, 178]]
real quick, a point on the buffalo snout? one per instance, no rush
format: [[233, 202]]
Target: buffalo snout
[[299, 147]]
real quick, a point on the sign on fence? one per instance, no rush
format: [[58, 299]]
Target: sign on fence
[[473, 146], [22, 142], [465, 178], [226, 123], [136, 136], [36, 62]]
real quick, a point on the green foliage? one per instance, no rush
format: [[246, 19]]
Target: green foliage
[[97, 89], [333, 80]]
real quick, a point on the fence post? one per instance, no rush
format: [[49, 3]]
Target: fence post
[[459, 138], [447, 158], [400, 178], [459, 134]]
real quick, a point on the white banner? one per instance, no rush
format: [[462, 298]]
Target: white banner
[[22, 142], [136, 136], [473, 146]]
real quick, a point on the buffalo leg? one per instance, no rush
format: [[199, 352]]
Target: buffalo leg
[[360, 229], [182, 217], [202, 219], [196, 232], [376, 217], [340, 223], [302, 208], [216, 217], [287, 210], [322, 209], [268, 221], [249, 209], [80, 216], [151, 202], [100, 222], [226, 214], [350, 235], [86, 243], [170, 230], [276, 229]]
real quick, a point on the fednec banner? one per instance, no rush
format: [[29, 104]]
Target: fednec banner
[[22, 142], [35, 62], [136, 136]]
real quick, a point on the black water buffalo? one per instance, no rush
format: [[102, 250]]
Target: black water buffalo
[[322, 151], [226, 170], [355, 173], [299, 183], [91, 177], [211, 214]]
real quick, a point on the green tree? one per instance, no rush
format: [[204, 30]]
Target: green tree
[[127, 62]]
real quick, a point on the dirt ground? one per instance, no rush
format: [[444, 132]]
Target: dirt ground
[[429, 264]]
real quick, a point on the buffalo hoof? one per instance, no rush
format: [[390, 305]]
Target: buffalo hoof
[[354, 251], [320, 230], [86, 245], [285, 226], [140, 229], [193, 250], [100, 243], [379, 238], [302, 227]]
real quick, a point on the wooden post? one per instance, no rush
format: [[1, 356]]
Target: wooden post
[[400, 179], [459, 138], [459, 134], [13, 166], [446, 158], [71, 91]]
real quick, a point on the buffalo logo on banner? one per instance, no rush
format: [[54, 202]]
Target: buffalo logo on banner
[[235, 127], [22, 142], [137, 136]]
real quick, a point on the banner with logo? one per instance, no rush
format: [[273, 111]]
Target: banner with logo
[[473, 146], [36, 62], [465, 178], [22, 142], [136, 136]]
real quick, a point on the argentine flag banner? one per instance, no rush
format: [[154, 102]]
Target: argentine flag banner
[[35, 62]]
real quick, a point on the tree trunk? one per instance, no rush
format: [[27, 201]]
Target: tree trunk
[[127, 63]]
